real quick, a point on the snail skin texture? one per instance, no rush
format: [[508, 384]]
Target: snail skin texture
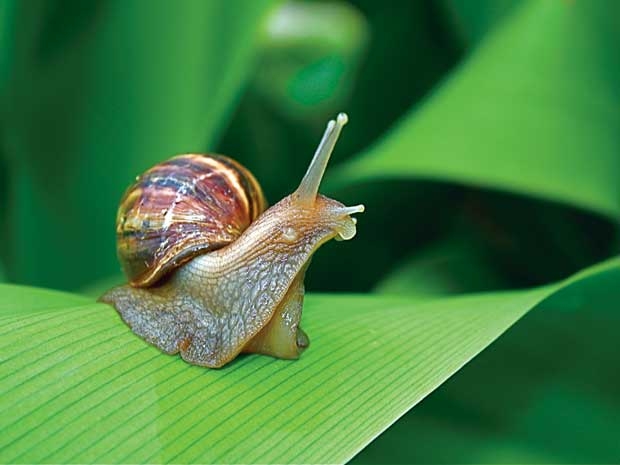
[[211, 272]]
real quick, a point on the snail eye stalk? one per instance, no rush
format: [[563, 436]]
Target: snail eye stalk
[[309, 186]]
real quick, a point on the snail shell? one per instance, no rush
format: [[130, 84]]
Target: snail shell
[[181, 208]]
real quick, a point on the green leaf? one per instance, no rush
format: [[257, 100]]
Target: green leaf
[[7, 8], [451, 266], [98, 92], [79, 387], [545, 393], [472, 19], [17, 299], [533, 111]]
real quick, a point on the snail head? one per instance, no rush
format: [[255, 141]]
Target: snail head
[[317, 207]]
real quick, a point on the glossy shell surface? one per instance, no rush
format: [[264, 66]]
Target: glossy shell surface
[[180, 208]]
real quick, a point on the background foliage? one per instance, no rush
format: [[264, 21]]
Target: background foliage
[[483, 139]]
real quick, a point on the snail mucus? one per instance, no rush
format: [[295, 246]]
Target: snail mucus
[[211, 271]]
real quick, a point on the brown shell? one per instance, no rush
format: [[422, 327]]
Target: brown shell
[[180, 208]]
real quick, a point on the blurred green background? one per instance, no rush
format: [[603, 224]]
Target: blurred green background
[[484, 139]]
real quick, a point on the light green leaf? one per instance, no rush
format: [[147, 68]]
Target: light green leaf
[[533, 110], [99, 92], [17, 299], [77, 386]]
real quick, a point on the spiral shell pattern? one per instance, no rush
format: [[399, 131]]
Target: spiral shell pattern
[[180, 208]]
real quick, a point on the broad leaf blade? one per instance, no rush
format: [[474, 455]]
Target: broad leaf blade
[[545, 392], [78, 386], [531, 111]]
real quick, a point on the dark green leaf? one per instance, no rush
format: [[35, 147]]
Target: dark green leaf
[[452, 266], [473, 19]]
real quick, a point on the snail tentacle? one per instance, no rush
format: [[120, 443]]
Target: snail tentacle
[[309, 186]]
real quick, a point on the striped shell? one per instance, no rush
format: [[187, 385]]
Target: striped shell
[[180, 208]]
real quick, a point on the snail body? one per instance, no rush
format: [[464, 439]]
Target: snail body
[[214, 280]]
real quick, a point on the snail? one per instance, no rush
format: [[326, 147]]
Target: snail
[[212, 272]]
